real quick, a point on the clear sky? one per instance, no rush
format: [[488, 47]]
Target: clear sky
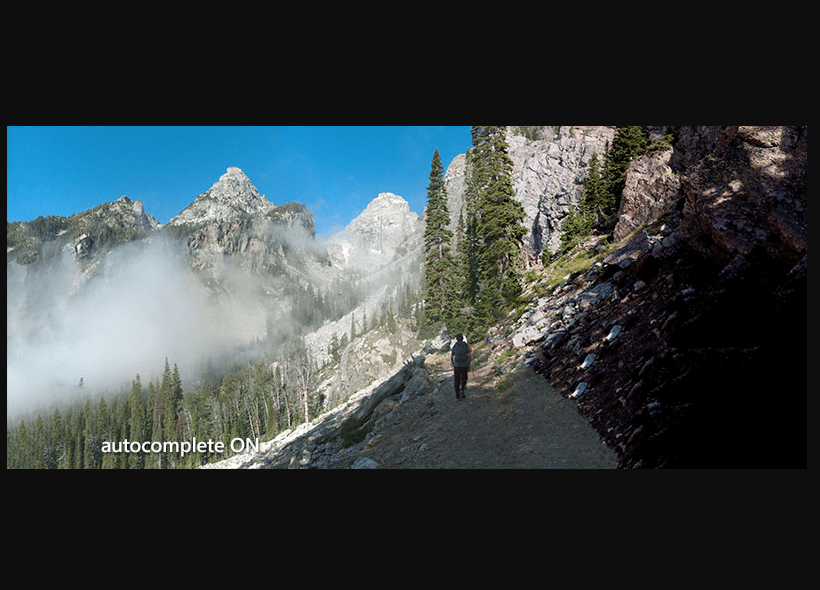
[[335, 171]]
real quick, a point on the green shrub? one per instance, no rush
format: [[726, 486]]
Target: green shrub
[[353, 432]]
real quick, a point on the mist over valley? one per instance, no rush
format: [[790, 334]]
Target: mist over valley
[[97, 298]]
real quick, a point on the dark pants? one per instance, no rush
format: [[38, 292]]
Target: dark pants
[[460, 379]]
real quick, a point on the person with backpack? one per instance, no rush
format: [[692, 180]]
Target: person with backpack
[[460, 357]]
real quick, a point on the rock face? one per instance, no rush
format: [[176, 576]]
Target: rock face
[[371, 357], [232, 196], [547, 177], [745, 189], [232, 218]]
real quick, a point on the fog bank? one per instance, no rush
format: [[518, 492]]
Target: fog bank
[[142, 305]]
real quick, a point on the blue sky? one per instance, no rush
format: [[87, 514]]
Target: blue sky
[[335, 171]]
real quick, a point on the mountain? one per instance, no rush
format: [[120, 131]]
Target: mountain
[[232, 221], [386, 228], [382, 247], [86, 235], [232, 196], [232, 276]]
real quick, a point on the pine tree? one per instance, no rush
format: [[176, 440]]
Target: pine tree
[[438, 261], [498, 224], [592, 202], [136, 422], [468, 245], [570, 230], [459, 284]]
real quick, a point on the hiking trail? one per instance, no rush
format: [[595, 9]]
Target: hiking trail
[[510, 419]]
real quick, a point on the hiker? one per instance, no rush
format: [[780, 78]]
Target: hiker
[[460, 356]]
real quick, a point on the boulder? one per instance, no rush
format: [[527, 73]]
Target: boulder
[[526, 336], [365, 463]]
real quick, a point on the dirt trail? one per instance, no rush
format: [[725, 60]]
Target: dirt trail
[[508, 421]]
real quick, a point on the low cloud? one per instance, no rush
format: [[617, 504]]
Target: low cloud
[[142, 305]]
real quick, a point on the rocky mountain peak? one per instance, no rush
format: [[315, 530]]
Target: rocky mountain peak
[[233, 195], [234, 184]]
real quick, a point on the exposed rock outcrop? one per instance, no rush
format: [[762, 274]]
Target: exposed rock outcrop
[[651, 189], [745, 188], [548, 178]]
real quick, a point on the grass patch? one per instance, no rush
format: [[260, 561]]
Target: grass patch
[[575, 263]]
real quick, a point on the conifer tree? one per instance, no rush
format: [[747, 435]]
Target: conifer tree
[[592, 202], [570, 230], [438, 261], [136, 422], [468, 245], [499, 226], [457, 323]]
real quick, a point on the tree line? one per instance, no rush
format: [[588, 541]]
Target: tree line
[[256, 401]]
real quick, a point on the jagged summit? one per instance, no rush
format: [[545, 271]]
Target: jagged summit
[[233, 194], [235, 184]]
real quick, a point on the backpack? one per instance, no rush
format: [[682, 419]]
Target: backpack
[[460, 352]]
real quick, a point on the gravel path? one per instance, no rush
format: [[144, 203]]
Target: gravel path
[[508, 421]]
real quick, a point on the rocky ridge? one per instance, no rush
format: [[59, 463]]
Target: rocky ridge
[[232, 196]]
